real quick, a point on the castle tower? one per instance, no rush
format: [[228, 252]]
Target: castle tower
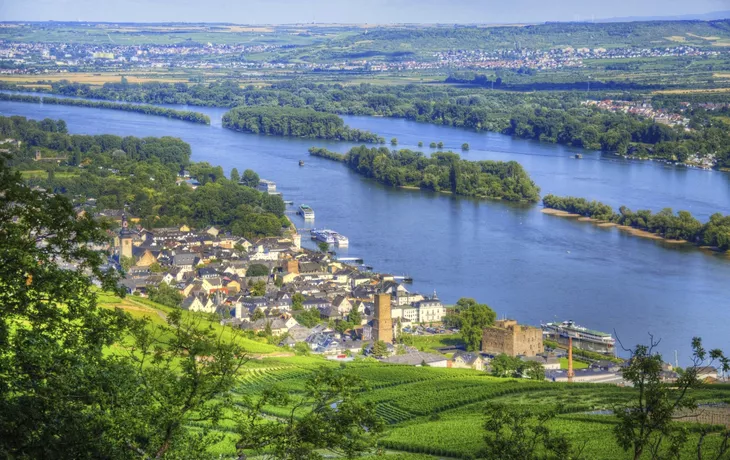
[[125, 239], [382, 323]]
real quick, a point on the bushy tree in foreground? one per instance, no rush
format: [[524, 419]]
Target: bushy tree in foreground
[[648, 425], [519, 432], [328, 417], [81, 381]]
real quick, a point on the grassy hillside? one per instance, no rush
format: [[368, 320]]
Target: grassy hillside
[[429, 411]]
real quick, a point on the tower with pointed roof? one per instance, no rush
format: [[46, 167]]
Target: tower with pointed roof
[[125, 239]]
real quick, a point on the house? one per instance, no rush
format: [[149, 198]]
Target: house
[[549, 362], [467, 360], [318, 303], [185, 260], [207, 273], [430, 310], [707, 372], [196, 303], [342, 304], [418, 358]]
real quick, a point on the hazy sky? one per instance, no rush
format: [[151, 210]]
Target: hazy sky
[[357, 11]]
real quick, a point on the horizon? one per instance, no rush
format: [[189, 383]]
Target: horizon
[[378, 12]]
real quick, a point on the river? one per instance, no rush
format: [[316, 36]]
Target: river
[[524, 264]]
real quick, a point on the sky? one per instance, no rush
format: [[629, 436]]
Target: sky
[[347, 11]]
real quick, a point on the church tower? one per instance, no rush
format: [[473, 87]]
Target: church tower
[[383, 323], [125, 239]]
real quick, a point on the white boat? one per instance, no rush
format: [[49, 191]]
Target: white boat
[[330, 237], [306, 212], [325, 236], [568, 329], [341, 241]]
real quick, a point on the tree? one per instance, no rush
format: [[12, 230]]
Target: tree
[[126, 262], [519, 432], [465, 146], [235, 177], [308, 318], [258, 288], [257, 270], [440, 145], [156, 268], [329, 416], [505, 366], [323, 247], [257, 315], [647, 424], [81, 381], [532, 370], [420, 143], [355, 317], [297, 301], [394, 141], [250, 178], [52, 332], [302, 348], [380, 349], [166, 295], [474, 318]]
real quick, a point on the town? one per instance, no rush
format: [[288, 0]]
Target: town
[[308, 301]]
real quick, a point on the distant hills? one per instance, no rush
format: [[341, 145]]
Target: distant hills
[[685, 17]]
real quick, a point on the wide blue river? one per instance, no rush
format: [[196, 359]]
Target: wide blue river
[[524, 264]]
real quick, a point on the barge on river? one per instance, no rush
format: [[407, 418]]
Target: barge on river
[[584, 338]]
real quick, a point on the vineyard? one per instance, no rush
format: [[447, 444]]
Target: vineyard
[[439, 412]]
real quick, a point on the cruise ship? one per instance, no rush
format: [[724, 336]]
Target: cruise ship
[[306, 212], [568, 329], [330, 237]]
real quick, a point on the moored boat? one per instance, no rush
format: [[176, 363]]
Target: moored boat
[[306, 211], [569, 329]]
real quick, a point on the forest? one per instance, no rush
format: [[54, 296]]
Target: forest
[[665, 223], [184, 115], [555, 117], [141, 175], [294, 122], [442, 172]]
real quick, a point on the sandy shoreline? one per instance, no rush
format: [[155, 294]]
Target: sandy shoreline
[[602, 223]]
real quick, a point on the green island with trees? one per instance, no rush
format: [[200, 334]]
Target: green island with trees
[[294, 122], [681, 226], [185, 115], [143, 176], [441, 172]]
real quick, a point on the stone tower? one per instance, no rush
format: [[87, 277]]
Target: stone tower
[[382, 323], [125, 239]]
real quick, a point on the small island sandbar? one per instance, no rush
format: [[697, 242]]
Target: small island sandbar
[[603, 223], [557, 212]]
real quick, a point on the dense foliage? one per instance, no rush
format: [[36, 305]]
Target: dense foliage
[[185, 115], [141, 175], [680, 226], [548, 117], [443, 171], [295, 122]]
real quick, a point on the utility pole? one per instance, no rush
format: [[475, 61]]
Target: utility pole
[[571, 374]]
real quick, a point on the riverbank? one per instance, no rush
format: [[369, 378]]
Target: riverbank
[[605, 224], [183, 115]]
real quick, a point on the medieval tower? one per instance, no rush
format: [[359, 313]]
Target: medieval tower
[[382, 323]]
